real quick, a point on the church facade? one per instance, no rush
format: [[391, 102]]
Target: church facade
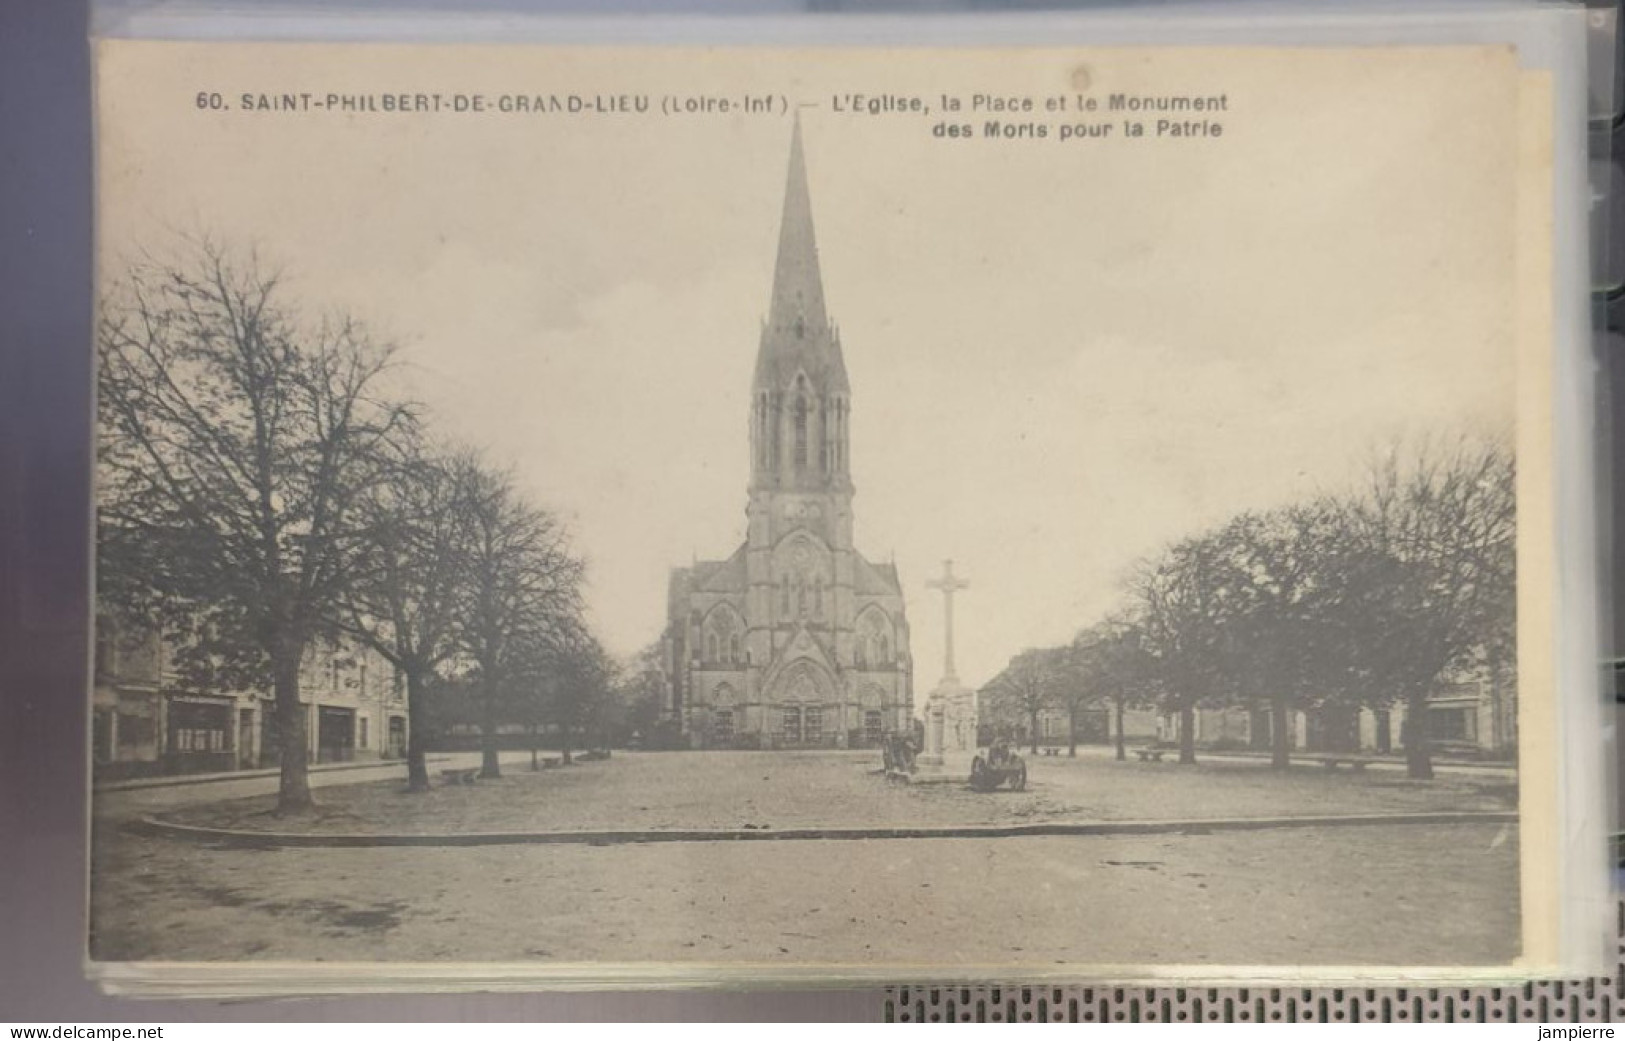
[[796, 640]]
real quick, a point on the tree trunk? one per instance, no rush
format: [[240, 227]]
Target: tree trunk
[[489, 765], [1418, 748], [564, 744], [417, 732], [1033, 719], [1072, 733], [535, 759], [1122, 746], [1187, 734], [1280, 734], [293, 790]]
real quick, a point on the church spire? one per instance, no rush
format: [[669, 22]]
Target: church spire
[[798, 288], [797, 336], [800, 396]]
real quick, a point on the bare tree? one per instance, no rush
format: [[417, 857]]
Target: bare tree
[[235, 439], [641, 691], [1079, 681], [533, 685], [523, 589], [1115, 669], [1024, 689], [405, 582], [586, 680], [1427, 567], [1273, 579], [1181, 612]]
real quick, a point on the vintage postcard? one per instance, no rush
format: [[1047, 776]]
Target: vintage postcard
[[584, 513]]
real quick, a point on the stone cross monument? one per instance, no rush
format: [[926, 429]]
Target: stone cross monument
[[950, 584], [950, 709]]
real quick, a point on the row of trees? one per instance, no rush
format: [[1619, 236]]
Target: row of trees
[[261, 485], [1372, 598]]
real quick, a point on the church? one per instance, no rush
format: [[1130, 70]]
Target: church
[[796, 640]]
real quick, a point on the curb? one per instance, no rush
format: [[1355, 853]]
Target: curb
[[282, 839], [175, 780]]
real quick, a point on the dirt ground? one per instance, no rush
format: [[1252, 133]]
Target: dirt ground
[[775, 790], [1394, 894], [1303, 896]]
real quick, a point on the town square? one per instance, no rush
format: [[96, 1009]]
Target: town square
[[690, 577], [1186, 896]]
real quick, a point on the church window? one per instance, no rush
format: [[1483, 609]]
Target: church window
[[784, 595], [812, 725], [818, 596], [761, 430], [860, 651], [874, 635], [801, 431], [840, 436], [825, 445], [711, 647], [773, 458], [801, 598], [733, 649]]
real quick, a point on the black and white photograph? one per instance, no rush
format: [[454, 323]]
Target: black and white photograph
[[781, 512]]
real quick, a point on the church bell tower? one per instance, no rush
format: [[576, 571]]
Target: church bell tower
[[800, 399], [796, 639]]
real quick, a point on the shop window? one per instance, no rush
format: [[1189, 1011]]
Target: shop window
[[1450, 724], [192, 739], [136, 730]]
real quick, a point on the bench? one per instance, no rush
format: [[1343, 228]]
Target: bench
[[1150, 753], [1052, 751], [461, 776], [1332, 762], [551, 761]]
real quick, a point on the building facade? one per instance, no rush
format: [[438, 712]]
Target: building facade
[[1472, 716], [796, 640], [147, 721]]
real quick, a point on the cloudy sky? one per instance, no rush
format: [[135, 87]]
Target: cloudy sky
[[1062, 354]]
